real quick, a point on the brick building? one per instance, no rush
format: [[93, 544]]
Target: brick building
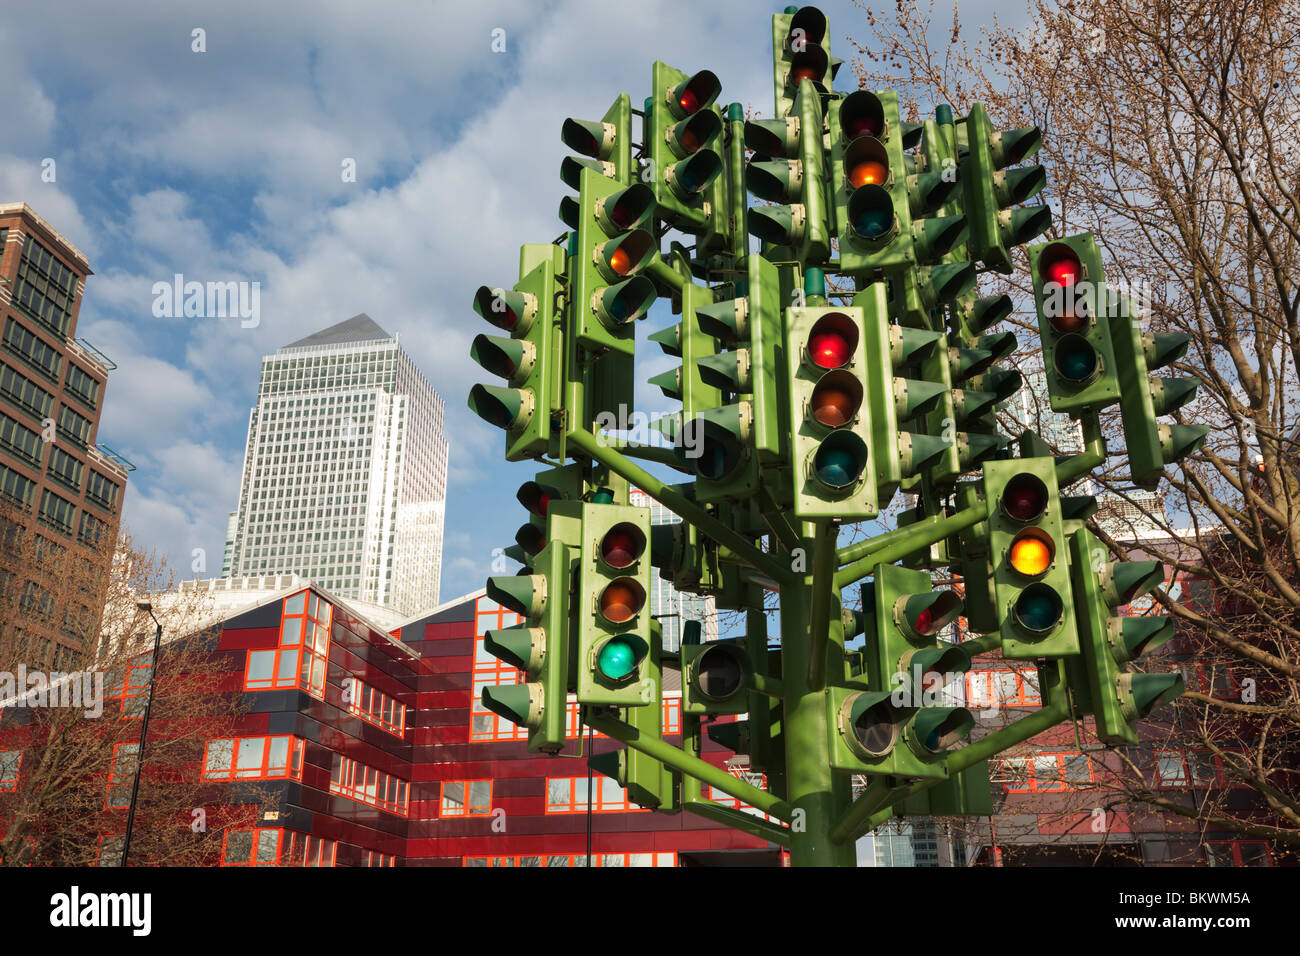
[[60, 490]]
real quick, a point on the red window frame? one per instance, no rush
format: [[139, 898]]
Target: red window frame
[[1061, 782], [657, 859], [606, 800], [371, 705], [491, 671], [375, 858], [471, 804], [120, 780], [1026, 696], [304, 641], [356, 781], [99, 849], [238, 768], [8, 783], [672, 717], [134, 690], [274, 846]]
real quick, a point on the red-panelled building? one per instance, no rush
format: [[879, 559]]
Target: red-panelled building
[[495, 804], [380, 754]]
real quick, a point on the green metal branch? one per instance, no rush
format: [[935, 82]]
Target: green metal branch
[[982, 645], [819, 615], [776, 519], [661, 271], [768, 686], [738, 820], [867, 803], [667, 754], [1092, 456], [656, 453], [899, 543], [693, 799], [686, 509]]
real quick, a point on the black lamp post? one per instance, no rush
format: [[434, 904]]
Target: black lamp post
[[144, 727]]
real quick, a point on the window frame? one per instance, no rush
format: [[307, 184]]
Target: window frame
[[10, 784], [113, 773], [292, 769]]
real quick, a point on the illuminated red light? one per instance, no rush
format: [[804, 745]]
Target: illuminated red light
[[1064, 270], [829, 349], [924, 622]]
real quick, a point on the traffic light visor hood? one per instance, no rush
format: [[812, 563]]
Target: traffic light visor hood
[[1024, 497], [1038, 609], [861, 114], [696, 93], [873, 723], [621, 600], [832, 341], [1060, 264], [622, 545], [507, 309]]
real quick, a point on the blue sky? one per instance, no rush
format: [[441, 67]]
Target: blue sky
[[225, 165]]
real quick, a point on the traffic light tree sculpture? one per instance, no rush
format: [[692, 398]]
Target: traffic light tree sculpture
[[799, 414]]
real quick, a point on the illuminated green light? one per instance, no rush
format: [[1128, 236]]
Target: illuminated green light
[[617, 659]]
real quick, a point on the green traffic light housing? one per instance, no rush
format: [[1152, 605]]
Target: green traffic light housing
[[696, 93], [511, 359], [507, 309], [595, 140]]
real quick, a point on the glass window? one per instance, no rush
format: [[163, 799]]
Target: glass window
[[239, 847], [1078, 769], [249, 761], [260, 665], [220, 754], [268, 843], [1171, 769], [10, 765], [1203, 769], [1047, 773], [288, 669], [1254, 854], [279, 754]]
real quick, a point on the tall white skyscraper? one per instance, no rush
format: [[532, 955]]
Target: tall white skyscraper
[[345, 471]]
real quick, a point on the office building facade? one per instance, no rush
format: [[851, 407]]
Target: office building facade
[[60, 491], [345, 471]]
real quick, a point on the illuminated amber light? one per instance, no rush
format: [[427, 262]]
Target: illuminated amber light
[[1031, 555], [869, 172]]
